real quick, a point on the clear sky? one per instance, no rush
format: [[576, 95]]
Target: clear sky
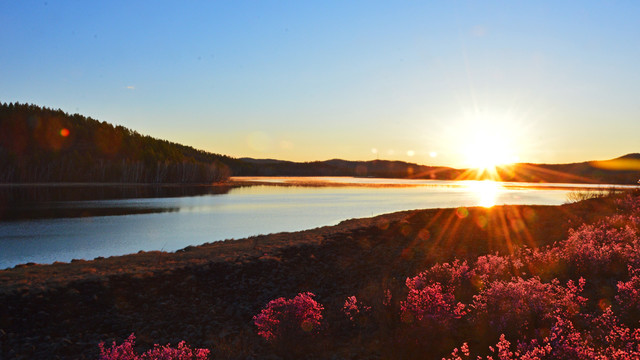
[[432, 82]]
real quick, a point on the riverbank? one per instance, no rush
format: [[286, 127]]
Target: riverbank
[[207, 295], [348, 181]]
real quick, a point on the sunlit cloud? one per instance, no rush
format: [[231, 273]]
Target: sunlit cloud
[[131, 87]]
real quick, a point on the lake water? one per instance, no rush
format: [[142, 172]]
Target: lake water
[[151, 222]]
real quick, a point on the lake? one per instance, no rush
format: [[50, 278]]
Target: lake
[[39, 224]]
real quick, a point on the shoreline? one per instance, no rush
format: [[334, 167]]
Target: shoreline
[[336, 181], [228, 250], [208, 294], [328, 181]]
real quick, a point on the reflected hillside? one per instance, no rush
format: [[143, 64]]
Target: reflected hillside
[[64, 201]]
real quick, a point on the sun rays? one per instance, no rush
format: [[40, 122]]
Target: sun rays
[[486, 192]]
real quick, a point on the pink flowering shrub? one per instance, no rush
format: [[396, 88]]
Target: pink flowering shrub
[[492, 266], [602, 247], [495, 267], [628, 298], [604, 339], [526, 306], [614, 341], [545, 263], [354, 310], [455, 278], [449, 275], [125, 351], [432, 297], [289, 319], [503, 348], [430, 306], [564, 342], [601, 250], [629, 204], [429, 312]]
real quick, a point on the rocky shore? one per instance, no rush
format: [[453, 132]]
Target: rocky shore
[[207, 295]]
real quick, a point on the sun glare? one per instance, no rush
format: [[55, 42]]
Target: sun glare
[[485, 191], [485, 150], [485, 143]]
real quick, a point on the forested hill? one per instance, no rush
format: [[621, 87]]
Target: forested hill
[[43, 145], [337, 167]]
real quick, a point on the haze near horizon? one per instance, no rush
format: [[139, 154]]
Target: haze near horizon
[[459, 84]]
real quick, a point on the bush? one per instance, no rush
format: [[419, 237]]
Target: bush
[[289, 319], [526, 307], [125, 351], [355, 310]]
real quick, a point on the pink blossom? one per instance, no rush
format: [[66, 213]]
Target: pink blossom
[[352, 308], [289, 318], [125, 351]]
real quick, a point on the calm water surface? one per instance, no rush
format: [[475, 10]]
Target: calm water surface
[[173, 223]]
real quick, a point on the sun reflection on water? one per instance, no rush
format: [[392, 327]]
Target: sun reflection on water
[[486, 192]]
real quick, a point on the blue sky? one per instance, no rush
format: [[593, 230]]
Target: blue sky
[[435, 83]]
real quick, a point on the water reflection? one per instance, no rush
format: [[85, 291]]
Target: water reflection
[[78, 192], [19, 202], [151, 221], [486, 192]]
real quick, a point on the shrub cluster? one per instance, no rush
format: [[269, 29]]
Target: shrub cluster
[[576, 299], [125, 351]]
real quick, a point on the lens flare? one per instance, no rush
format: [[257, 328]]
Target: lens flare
[[485, 191]]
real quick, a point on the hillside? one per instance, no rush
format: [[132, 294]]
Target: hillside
[[622, 170], [337, 167], [43, 145]]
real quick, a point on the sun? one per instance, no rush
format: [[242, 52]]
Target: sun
[[487, 149], [484, 144]]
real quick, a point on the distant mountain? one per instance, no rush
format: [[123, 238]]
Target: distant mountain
[[621, 170], [635, 156], [337, 167], [43, 145]]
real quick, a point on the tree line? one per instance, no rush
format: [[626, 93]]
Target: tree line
[[38, 144]]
